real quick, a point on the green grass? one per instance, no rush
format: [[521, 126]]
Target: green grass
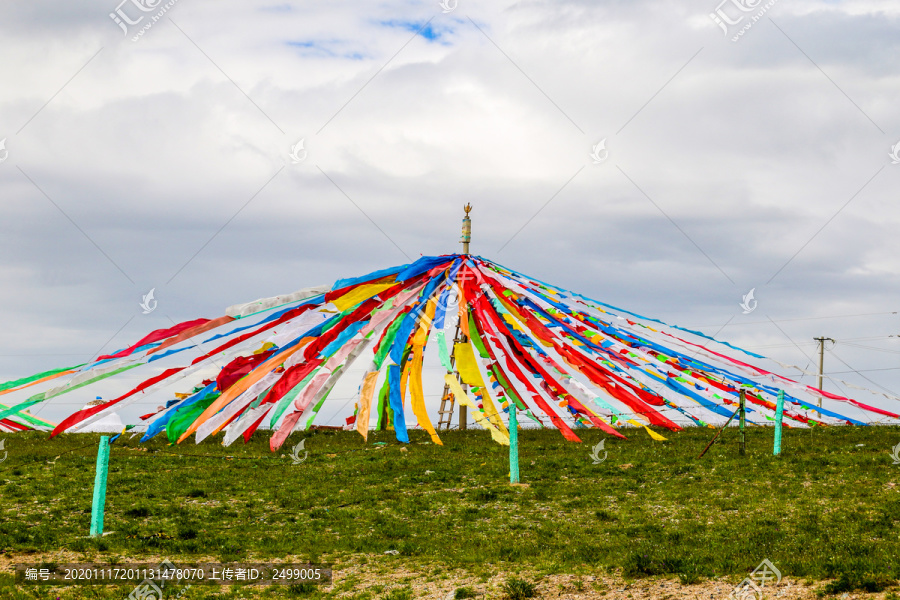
[[515, 588], [462, 593], [826, 509], [849, 582], [399, 593]]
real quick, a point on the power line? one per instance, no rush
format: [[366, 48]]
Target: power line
[[861, 375], [873, 348], [808, 319], [842, 341]]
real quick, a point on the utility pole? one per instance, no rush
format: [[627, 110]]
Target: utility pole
[[821, 341]]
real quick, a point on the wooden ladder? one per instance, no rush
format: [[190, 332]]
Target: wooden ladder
[[448, 401]]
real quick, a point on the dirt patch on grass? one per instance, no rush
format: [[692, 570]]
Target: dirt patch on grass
[[380, 577]]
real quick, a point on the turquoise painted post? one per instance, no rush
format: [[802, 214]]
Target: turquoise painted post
[[779, 415], [100, 487], [513, 444]]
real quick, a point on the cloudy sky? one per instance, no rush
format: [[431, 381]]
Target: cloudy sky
[[156, 153]]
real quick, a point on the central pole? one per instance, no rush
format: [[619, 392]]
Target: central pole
[[465, 239], [743, 408]]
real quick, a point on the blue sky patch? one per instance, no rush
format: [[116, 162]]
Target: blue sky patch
[[325, 49], [430, 32]]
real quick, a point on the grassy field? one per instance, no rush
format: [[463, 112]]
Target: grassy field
[[828, 508]]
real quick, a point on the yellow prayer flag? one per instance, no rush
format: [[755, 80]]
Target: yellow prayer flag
[[650, 432], [468, 370], [359, 294], [365, 402], [464, 399], [417, 396]]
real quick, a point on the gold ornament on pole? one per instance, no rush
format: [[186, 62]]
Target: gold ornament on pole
[[466, 229]]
